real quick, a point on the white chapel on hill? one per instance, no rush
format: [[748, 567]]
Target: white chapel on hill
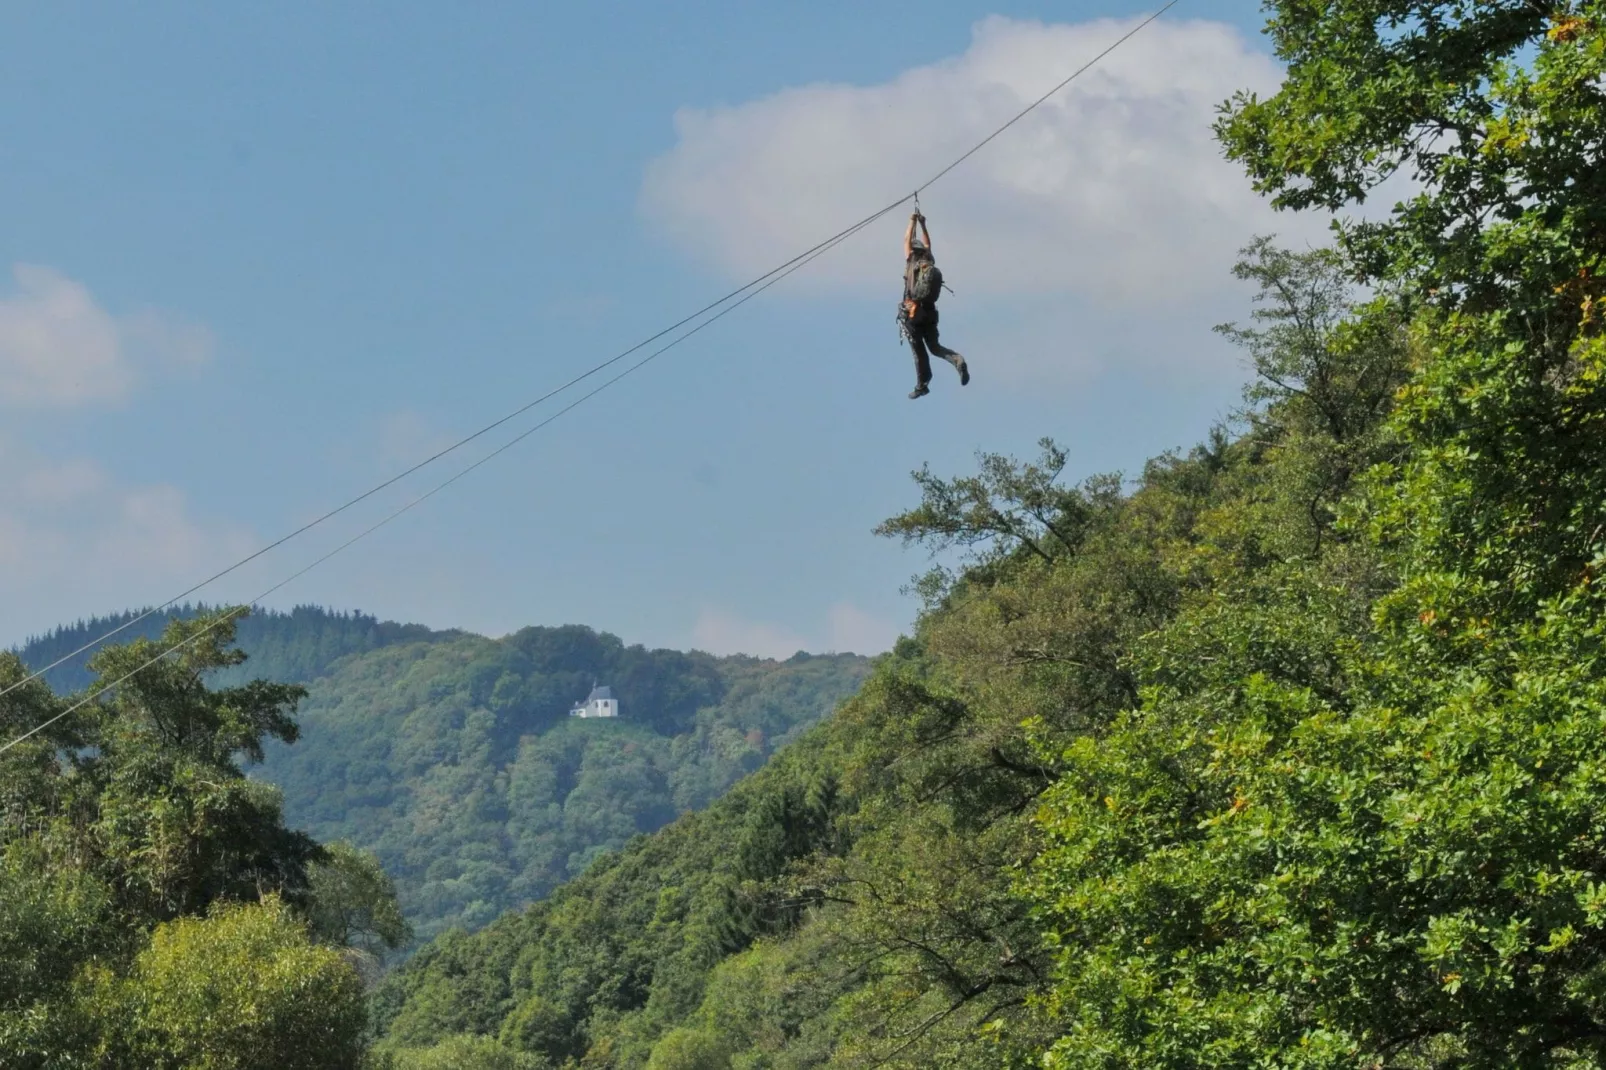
[[600, 703]]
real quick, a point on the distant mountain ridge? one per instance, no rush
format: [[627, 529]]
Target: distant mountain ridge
[[294, 647]]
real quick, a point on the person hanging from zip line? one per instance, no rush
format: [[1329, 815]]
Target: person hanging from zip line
[[917, 314]]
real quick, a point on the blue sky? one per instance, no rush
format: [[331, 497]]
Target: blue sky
[[256, 260]]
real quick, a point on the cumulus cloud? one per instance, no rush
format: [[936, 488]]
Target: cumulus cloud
[[74, 541], [847, 629], [721, 632], [1110, 200], [155, 338], [59, 347], [855, 631]]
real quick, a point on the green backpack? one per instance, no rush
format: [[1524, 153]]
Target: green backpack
[[923, 282]]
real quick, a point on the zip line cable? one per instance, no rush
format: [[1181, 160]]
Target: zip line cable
[[745, 292], [218, 622], [398, 477]]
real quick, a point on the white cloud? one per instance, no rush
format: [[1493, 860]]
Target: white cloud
[[848, 629], [73, 541], [720, 632], [58, 347], [156, 338], [853, 630], [1110, 202]]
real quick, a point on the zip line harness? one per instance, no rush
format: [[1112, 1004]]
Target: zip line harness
[[904, 335]]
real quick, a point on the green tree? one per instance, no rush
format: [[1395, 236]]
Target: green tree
[[1353, 821], [463, 1052], [1008, 508], [1496, 110], [353, 901], [176, 824], [54, 922], [689, 1049], [242, 988], [1492, 108], [133, 855]]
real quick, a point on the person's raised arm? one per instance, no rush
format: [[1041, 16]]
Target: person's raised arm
[[909, 236], [925, 234]]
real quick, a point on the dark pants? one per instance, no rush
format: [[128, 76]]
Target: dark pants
[[922, 327]]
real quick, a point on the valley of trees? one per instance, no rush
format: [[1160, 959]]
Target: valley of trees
[[1290, 752], [162, 908], [456, 761], [453, 758]]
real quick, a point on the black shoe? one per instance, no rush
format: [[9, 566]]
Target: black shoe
[[959, 366], [919, 392]]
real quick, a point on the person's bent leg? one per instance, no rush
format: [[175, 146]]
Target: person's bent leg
[[952, 356]]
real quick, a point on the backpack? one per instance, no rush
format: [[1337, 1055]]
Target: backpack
[[924, 281]]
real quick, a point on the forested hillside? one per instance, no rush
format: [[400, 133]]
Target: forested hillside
[[1289, 752], [162, 908], [879, 892], [456, 760]]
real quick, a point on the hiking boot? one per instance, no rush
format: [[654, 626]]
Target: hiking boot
[[919, 391], [959, 366]]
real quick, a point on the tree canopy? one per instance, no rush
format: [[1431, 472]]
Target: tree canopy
[[455, 759], [154, 907]]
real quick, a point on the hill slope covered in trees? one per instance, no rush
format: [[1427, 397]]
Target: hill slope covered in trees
[[1290, 753], [456, 761]]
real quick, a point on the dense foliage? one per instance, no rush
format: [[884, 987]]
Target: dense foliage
[[453, 757], [1290, 753], [154, 909], [1354, 823], [456, 761]]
